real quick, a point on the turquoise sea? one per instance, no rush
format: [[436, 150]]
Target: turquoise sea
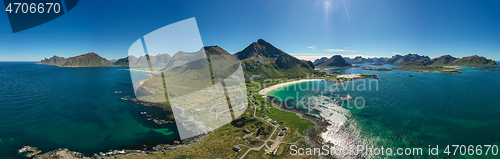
[[76, 108], [407, 112]]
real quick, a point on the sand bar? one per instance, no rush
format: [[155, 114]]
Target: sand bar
[[264, 91]]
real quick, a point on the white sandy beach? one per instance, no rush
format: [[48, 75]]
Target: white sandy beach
[[349, 76], [264, 91]]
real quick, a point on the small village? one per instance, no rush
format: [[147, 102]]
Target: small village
[[269, 139]]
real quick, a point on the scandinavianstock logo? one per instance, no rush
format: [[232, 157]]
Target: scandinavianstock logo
[[26, 14], [205, 89]]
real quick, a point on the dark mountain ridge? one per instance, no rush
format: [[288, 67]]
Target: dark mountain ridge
[[320, 60], [54, 60], [334, 61], [90, 59], [414, 60]]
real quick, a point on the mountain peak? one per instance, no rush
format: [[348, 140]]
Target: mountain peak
[[215, 50], [446, 56], [334, 61], [475, 56], [262, 41], [336, 56], [260, 50], [320, 60], [88, 54]]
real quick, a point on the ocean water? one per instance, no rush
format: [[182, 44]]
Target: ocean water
[[76, 108], [407, 112]]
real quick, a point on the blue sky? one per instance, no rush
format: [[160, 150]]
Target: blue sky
[[306, 29]]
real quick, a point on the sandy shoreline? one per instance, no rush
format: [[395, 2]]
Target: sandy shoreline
[[264, 91], [139, 70]]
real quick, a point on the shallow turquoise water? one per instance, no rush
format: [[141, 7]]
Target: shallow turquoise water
[[76, 108], [428, 109]]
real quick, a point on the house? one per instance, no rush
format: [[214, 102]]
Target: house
[[237, 149], [285, 128], [247, 131], [264, 116], [274, 151], [281, 133], [274, 122]]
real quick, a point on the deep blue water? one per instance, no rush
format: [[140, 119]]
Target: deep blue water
[[427, 109], [76, 108]]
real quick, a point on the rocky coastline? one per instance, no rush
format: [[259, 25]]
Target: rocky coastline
[[34, 153], [313, 136]]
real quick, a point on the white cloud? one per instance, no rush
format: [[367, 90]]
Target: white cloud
[[312, 57], [337, 50], [364, 56], [312, 47]]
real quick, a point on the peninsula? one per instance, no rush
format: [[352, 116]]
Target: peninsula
[[90, 59]]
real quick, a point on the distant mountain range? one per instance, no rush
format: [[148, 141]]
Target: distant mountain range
[[262, 59], [412, 60], [259, 59], [86, 60], [160, 60], [113, 60], [361, 60]]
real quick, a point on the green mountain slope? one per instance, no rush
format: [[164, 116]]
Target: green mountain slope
[[443, 60], [473, 61], [261, 59]]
